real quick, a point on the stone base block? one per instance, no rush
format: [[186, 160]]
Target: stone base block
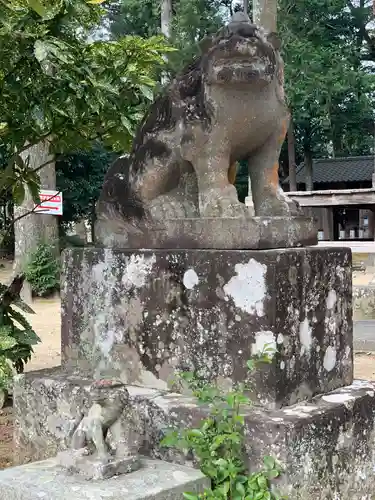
[[154, 481], [220, 233], [91, 467], [143, 316], [327, 445], [47, 404]]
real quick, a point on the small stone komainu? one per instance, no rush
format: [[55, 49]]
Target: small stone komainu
[[90, 453]]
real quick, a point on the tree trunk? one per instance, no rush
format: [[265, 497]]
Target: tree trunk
[[35, 228], [246, 6], [166, 17], [166, 28], [265, 14], [292, 157]]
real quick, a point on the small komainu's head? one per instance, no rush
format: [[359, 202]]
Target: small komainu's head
[[109, 393], [241, 54]]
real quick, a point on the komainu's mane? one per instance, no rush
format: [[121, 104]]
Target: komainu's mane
[[183, 99]]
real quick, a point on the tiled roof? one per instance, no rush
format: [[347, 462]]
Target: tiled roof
[[350, 169]]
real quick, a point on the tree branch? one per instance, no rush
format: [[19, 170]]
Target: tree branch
[[45, 164]]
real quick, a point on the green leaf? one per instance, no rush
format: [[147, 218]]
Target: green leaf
[[170, 439], [28, 337], [6, 342], [273, 474], [37, 7], [6, 177], [269, 462], [34, 191], [240, 489], [190, 496], [19, 318], [262, 482], [221, 462], [18, 193], [195, 433], [6, 373], [242, 479], [46, 13], [18, 302], [250, 364], [147, 92], [126, 123], [239, 419], [40, 50], [3, 128], [19, 162]]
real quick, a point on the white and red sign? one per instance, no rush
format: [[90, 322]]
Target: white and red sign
[[51, 203]]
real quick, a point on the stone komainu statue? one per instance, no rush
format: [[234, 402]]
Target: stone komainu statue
[[227, 105]]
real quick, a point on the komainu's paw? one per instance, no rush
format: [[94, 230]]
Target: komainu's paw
[[222, 203], [172, 207], [278, 205]]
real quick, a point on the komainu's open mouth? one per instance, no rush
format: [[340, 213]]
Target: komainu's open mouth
[[239, 60]]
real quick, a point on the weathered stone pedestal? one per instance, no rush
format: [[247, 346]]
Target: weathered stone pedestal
[[144, 315]]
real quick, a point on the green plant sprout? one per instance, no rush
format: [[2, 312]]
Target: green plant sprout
[[218, 443]]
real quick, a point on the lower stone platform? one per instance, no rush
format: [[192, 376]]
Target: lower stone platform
[[45, 480], [327, 445]]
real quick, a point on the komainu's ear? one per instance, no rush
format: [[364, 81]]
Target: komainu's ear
[[274, 39]]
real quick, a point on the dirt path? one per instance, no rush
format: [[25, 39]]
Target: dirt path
[[47, 324]]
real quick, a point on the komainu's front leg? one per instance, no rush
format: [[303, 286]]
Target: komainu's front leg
[[79, 437], [96, 434], [217, 196], [269, 199]]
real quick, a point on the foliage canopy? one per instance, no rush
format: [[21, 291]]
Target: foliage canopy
[[60, 85]]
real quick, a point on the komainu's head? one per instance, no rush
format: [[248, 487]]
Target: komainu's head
[[240, 54], [109, 393]]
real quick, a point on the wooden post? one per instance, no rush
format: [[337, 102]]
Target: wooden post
[[292, 157], [309, 171], [328, 223], [371, 224]]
